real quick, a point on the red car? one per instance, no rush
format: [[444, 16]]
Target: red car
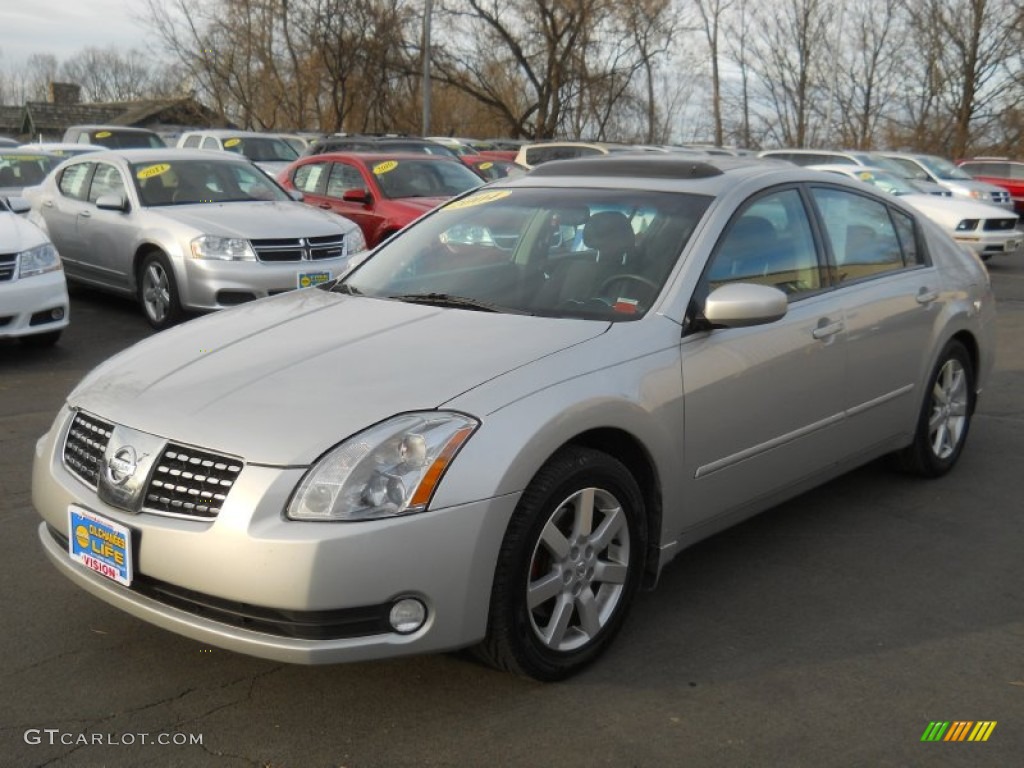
[[1008, 174], [382, 193], [491, 168]]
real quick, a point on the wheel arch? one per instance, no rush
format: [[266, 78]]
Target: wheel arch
[[631, 452]]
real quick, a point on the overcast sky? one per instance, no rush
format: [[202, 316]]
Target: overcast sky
[[64, 27]]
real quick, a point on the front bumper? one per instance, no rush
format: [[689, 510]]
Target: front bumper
[[210, 284], [245, 580], [985, 244], [26, 305]]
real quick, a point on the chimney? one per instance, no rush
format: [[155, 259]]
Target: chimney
[[65, 93]]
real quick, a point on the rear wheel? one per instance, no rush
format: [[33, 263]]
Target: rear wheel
[[945, 415], [158, 292], [568, 568]]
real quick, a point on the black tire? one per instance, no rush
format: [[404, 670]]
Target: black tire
[[597, 573], [945, 417], [39, 340], [158, 291]]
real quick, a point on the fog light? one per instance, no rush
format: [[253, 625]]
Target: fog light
[[407, 615], [57, 313]]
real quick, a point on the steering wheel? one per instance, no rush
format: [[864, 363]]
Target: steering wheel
[[646, 281]]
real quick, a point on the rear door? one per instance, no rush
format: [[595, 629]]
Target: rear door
[[891, 298], [61, 214]]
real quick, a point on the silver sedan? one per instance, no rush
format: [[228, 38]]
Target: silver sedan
[[186, 230], [516, 412]]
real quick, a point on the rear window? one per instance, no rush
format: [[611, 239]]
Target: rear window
[[116, 139]]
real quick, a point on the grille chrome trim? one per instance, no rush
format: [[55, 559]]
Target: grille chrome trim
[[999, 225], [84, 447], [300, 248], [190, 482], [8, 266]]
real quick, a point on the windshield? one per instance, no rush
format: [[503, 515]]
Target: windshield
[[24, 169], [261, 149], [172, 181], [943, 169], [582, 253], [126, 139], [423, 178]]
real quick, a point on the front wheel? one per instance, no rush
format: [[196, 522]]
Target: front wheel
[[568, 568], [945, 415], [158, 292]]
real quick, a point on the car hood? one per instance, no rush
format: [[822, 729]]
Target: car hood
[[17, 234], [949, 211], [256, 220], [280, 381]]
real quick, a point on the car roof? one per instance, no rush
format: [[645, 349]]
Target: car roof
[[102, 127], [710, 175], [218, 132], [161, 154], [371, 157]]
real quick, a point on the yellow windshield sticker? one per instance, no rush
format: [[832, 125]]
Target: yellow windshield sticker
[[485, 166], [153, 170], [232, 142], [387, 165], [102, 135], [481, 199], [865, 176]]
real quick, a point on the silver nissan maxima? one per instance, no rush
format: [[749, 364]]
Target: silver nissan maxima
[[513, 414]]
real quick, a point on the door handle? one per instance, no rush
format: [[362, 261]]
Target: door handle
[[325, 206], [85, 214], [926, 296], [826, 330], [48, 203]]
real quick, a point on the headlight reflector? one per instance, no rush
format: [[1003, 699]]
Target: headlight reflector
[[967, 225], [222, 248], [355, 241], [388, 470], [38, 260]]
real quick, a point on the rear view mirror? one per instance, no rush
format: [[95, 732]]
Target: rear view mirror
[[18, 204], [112, 203], [356, 196]]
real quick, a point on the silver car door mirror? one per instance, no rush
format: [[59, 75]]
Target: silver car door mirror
[[112, 203], [738, 305]]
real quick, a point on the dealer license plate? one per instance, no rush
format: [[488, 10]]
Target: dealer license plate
[[1012, 245], [308, 279], [99, 544]]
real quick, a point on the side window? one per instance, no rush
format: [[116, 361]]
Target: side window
[[72, 180], [310, 177], [192, 142], [770, 243], [907, 233], [210, 143], [106, 181], [343, 177], [862, 234]]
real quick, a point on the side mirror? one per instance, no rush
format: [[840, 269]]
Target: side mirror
[[738, 305], [18, 204], [356, 196], [112, 203]]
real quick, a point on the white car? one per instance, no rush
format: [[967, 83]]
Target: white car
[[33, 294], [986, 229]]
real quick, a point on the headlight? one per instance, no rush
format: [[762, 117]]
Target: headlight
[[38, 260], [967, 225], [355, 241], [390, 469], [978, 194], [222, 248]]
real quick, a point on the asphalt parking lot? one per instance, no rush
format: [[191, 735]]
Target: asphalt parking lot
[[829, 631]]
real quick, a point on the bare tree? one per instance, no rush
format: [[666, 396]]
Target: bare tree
[[712, 13]]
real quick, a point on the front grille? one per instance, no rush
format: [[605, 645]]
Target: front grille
[[999, 225], [190, 482], [1001, 198], [300, 248], [84, 447], [8, 264]]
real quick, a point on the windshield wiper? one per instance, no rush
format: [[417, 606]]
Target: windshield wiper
[[455, 302], [345, 288]]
